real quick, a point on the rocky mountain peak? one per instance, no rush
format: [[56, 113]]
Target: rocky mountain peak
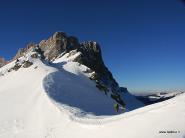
[[89, 54], [59, 42]]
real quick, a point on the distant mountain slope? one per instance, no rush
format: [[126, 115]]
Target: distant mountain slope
[[157, 97]]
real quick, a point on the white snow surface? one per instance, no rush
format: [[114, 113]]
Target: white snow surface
[[54, 101]]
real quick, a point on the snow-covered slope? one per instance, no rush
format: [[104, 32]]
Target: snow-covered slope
[[48, 101], [62, 89]]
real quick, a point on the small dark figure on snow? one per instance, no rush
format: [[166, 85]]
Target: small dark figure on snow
[[116, 107]]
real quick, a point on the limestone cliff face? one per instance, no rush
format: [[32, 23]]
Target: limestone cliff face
[[57, 44]]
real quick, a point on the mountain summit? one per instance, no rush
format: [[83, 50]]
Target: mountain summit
[[87, 53], [61, 88], [78, 70]]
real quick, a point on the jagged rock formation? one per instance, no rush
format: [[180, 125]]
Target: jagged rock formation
[[2, 62], [22, 51], [90, 55], [57, 44]]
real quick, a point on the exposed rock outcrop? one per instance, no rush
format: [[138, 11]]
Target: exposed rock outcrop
[[90, 55], [2, 62], [57, 44], [22, 51]]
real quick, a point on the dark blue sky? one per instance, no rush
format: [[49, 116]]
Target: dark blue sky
[[143, 41]]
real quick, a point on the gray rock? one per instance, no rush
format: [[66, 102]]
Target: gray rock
[[72, 43], [22, 51], [90, 56], [27, 64], [57, 44], [2, 62]]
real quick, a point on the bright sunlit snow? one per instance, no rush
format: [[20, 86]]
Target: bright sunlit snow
[[58, 100]]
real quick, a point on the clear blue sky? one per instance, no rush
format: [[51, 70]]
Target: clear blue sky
[[143, 41]]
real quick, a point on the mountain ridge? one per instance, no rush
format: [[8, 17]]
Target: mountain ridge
[[60, 97], [87, 53]]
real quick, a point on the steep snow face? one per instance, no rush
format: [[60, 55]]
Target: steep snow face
[[80, 78], [33, 104], [69, 86], [131, 102]]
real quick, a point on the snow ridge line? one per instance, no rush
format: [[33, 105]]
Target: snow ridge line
[[79, 116], [89, 119]]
